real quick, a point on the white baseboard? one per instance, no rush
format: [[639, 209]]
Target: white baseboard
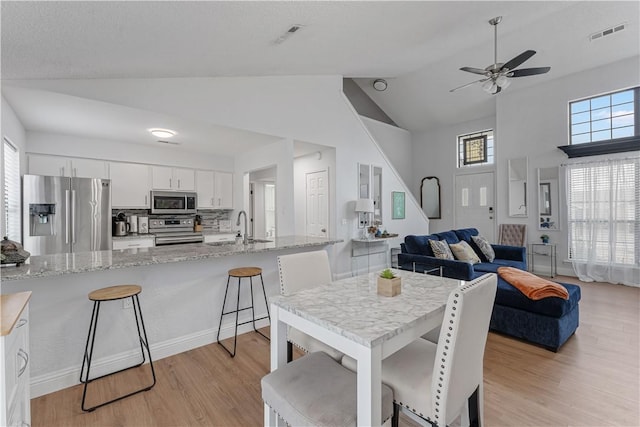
[[68, 377]]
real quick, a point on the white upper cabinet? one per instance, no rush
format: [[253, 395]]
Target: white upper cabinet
[[167, 178], [204, 188], [89, 168], [129, 185], [223, 190], [40, 164]]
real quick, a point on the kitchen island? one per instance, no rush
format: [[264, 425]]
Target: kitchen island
[[182, 292]]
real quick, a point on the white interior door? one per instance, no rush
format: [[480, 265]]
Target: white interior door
[[475, 205], [317, 222]]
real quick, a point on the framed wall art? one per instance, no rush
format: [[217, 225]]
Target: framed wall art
[[397, 198]]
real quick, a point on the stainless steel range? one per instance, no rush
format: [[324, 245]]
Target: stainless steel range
[[174, 229]]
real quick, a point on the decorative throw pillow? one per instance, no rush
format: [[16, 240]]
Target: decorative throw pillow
[[441, 249], [464, 252], [484, 246]]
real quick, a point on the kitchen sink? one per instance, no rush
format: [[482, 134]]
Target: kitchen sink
[[258, 241]]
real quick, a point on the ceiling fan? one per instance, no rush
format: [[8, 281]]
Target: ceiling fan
[[497, 75]]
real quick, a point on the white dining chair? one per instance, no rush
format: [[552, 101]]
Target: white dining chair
[[300, 271], [316, 390], [439, 382]]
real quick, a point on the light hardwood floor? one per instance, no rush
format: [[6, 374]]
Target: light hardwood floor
[[594, 379]]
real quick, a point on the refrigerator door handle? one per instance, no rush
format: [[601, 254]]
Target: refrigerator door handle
[[67, 215], [73, 216]]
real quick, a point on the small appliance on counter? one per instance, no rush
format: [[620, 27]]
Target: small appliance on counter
[[132, 221], [120, 226], [143, 225]]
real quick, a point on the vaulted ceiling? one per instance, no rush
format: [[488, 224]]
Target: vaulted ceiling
[[418, 46]]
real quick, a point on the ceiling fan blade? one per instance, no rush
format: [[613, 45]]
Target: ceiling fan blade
[[475, 70], [468, 84], [510, 65], [528, 72]]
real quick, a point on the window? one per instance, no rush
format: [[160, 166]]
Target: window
[[604, 118], [603, 217], [604, 124], [475, 149], [11, 192]]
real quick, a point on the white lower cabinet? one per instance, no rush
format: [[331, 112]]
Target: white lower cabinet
[[142, 242], [15, 407]]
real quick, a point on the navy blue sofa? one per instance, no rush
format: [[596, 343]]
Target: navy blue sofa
[[548, 322]]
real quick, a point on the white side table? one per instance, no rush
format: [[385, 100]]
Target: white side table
[[546, 250]]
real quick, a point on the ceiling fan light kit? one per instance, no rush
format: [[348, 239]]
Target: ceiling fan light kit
[[497, 75]]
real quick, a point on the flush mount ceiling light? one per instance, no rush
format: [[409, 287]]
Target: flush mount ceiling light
[[380, 85], [162, 133]]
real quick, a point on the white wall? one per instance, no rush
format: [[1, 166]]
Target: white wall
[[435, 153], [396, 144], [76, 146], [533, 122], [13, 130]]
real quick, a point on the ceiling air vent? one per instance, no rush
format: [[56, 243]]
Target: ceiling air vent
[[607, 32], [288, 33], [168, 142]]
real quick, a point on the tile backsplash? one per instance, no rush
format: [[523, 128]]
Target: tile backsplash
[[210, 218]]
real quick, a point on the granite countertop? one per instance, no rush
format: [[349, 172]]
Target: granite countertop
[[82, 262]]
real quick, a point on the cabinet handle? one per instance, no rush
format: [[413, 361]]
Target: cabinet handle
[[62, 171], [131, 245], [25, 357], [212, 202], [75, 172], [145, 199], [21, 323], [170, 183], [178, 183]]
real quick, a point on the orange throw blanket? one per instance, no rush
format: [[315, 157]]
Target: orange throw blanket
[[532, 286]]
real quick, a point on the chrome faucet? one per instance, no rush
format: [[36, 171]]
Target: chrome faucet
[[244, 240]]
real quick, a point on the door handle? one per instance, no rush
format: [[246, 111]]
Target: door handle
[[67, 215], [73, 216]]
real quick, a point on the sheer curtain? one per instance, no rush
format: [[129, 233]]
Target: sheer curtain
[[604, 230]]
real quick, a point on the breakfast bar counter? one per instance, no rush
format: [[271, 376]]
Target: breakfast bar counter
[[183, 287], [83, 262]]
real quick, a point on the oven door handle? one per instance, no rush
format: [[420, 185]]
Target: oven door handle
[[178, 239]]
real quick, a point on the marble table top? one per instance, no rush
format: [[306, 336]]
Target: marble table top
[[82, 262], [352, 307]]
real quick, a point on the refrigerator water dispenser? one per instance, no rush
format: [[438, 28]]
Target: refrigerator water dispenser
[[41, 218]]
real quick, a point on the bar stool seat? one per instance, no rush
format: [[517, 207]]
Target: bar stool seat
[[99, 296], [240, 273]]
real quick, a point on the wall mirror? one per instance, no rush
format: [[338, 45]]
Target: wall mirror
[[377, 194], [518, 172], [430, 197], [548, 199], [364, 172]]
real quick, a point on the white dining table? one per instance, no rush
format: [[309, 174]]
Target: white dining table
[[350, 316]]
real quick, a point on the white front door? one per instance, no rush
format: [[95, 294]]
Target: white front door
[[317, 222], [475, 203]]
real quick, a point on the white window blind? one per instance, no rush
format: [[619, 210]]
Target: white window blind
[[11, 191], [603, 218]]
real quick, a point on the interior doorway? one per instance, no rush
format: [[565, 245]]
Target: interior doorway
[[262, 203], [475, 204], [317, 205]]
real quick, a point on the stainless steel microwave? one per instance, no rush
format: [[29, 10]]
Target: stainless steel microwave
[[173, 202]]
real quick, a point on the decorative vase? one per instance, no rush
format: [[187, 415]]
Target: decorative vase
[[545, 240], [389, 287]]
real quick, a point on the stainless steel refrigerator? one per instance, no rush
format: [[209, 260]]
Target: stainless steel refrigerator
[[63, 214]]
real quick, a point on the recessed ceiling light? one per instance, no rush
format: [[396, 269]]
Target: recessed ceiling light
[[162, 133]]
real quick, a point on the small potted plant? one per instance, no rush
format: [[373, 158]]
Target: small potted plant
[[389, 285], [545, 239]]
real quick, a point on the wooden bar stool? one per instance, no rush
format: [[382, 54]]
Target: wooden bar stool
[[241, 272], [114, 293]]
